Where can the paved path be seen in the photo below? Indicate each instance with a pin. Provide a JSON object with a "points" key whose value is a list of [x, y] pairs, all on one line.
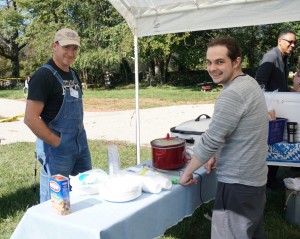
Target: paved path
{"points": [[120, 125]]}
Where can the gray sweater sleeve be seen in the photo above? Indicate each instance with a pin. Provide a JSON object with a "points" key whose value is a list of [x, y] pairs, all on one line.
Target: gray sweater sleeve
{"points": [[238, 134], [229, 108]]}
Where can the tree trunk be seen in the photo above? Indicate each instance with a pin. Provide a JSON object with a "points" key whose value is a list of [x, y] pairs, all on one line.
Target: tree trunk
{"points": [[158, 70], [125, 70], [14, 59], [15, 66], [166, 66], [151, 73]]}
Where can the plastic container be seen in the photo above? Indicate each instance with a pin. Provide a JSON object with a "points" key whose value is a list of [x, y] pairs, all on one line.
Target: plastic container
{"points": [[292, 213], [113, 161], [276, 130], [87, 183], [285, 105]]}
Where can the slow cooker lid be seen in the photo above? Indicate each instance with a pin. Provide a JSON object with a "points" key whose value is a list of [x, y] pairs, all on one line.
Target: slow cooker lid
{"points": [[167, 142], [197, 126]]}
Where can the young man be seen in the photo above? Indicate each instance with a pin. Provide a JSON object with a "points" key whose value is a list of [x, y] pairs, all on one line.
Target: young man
{"points": [[54, 113], [236, 141]]}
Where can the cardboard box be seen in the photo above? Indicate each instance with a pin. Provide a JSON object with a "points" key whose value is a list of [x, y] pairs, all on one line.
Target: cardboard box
{"points": [[60, 194]]}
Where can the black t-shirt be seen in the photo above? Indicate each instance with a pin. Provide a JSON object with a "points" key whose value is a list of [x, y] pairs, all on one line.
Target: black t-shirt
{"points": [[45, 87]]}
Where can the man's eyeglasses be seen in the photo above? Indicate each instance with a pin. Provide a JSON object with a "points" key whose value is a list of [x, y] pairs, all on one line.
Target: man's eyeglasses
{"points": [[290, 42]]}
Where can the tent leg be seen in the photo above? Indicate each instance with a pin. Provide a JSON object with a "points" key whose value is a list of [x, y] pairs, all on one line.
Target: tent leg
{"points": [[136, 66]]}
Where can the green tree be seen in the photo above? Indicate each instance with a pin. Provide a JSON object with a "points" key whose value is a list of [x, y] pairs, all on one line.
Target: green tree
{"points": [[45, 18], [106, 42], [157, 52], [12, 26], [27, 28]]}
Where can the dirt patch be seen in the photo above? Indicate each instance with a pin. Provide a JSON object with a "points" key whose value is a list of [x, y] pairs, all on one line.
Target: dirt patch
{"points": [[109, 105]]}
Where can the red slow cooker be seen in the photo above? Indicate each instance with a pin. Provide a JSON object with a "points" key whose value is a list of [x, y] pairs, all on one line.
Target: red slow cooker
{"points": [[168, 153]]}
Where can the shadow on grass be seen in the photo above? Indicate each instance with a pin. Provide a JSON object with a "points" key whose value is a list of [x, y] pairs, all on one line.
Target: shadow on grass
{"points": [[275, 224], [194, 227], [17, 201]]}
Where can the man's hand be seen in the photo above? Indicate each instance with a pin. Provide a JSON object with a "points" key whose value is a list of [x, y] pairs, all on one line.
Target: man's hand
{"points": [[210, 164], [187, 179], [37, 125], [187, 176]]}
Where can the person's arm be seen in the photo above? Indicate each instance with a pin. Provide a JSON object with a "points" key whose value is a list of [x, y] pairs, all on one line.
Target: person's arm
{"points": [[296, 82], [264, 72], [210, 164], [37, 125], [187, 177]]}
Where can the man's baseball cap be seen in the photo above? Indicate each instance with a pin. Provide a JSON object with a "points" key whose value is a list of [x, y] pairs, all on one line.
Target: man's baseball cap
{"points": [[67, 36]]}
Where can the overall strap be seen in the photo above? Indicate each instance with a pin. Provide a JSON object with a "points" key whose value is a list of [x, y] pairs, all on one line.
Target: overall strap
{"points": [[74, 77], [54, 72], [60, 79]]}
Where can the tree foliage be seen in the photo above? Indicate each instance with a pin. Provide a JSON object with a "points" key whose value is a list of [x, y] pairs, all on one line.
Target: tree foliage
{"points": [[105, 38], [27, 28], [12, 24]]}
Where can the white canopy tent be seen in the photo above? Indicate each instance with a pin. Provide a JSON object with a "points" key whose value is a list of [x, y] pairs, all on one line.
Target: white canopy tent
{"points": [[153, 17]]}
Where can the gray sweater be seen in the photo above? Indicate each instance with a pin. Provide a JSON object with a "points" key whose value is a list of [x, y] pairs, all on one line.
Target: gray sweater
{"points": [[238, 134]]}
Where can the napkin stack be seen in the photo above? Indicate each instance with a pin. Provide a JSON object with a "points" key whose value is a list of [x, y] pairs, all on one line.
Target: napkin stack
{"points": [[152, 182]]}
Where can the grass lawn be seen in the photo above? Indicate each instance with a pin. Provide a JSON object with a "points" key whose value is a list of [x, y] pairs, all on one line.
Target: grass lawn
{"points": [[124, 98], [18, 182], [17, 164]]}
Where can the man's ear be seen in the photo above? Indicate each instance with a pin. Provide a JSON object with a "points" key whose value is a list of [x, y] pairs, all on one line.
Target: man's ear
{"points": [[53, 46], [237, 62]]}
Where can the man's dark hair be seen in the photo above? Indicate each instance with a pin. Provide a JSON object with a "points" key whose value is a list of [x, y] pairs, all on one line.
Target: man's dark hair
{"points": [[230, 43], [286, 31]]}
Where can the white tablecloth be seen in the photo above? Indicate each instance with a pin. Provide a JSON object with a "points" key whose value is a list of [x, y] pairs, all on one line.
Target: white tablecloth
{"points": [[148, 216]]}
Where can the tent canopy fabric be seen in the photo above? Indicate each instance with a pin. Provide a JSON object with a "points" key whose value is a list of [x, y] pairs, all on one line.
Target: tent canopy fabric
{"points": [[154, 17]]}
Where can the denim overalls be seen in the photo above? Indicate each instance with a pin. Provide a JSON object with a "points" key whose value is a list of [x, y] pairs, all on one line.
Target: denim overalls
{"points": [[72, 155]]}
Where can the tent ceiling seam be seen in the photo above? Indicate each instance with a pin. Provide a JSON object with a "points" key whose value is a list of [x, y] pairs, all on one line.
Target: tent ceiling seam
{"points": [[140, 12]]}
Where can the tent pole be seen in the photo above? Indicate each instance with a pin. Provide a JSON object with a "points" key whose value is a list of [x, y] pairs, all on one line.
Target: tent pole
{"points": [[136, 70]]}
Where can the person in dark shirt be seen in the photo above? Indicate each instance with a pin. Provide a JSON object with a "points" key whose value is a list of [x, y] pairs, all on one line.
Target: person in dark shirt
{"points": [[272, 74], [54, 113]]}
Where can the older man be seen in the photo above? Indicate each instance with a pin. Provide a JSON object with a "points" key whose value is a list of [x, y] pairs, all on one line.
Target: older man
{"points": [[272, 73], [54, 113]]}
